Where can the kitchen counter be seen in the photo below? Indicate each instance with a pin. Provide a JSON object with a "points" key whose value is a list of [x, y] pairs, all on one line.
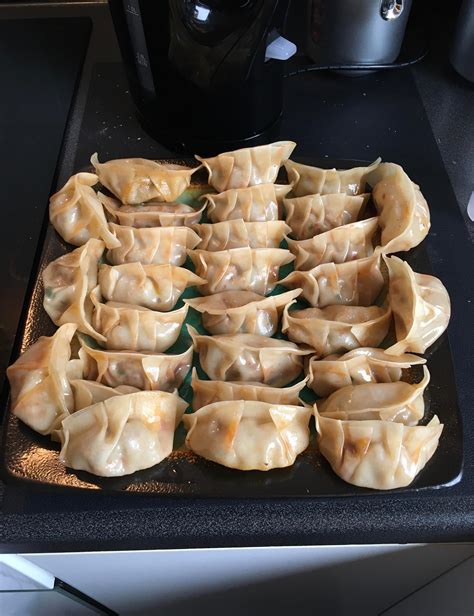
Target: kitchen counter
{"points": [[356, 118]]}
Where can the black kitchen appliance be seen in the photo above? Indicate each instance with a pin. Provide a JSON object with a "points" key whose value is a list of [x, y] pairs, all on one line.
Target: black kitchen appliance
{"points": [[205, 75]]}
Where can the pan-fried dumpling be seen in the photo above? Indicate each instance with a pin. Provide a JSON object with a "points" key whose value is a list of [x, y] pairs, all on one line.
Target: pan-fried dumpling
{"points": [[313, 214], [249, 435], [355, 283], [399, 401], [254, 204], [248, 166], [77, 214], [135, 180], [151, 214], [364, 365], [157, 287], [207, 392], [309, 180], [239, 234], [122, 434], [240, 269], [40, 392], [404, 216], [241, 312], [87, 393], [68, 281], [347, 243], [382, 455], [421, 307], [152, 245], [128, 327], [144, 371], [248, 357], [337, 328]]}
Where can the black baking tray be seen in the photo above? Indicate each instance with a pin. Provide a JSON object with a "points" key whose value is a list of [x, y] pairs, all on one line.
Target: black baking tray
{"points": [[29, 458]]}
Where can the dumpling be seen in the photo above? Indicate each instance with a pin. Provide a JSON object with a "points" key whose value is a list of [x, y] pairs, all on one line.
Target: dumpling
{"points": [[87, 393], [364, 365], [40, 392], [241, 312], [421, 307], [152, 245], [68, 281], [399, 401], [240, 269], [157, 287], [144, 371], [206, 392], [135, 180], [404, 216], [240, 234], [77, 214], [309, 180], [313, 214], [248, 435], [128, 327], [347, 243], [337, 328], [254, 204], [355, 283], [248, 166], [151, 214], [122, 434], [248, 357], [381, 455]]}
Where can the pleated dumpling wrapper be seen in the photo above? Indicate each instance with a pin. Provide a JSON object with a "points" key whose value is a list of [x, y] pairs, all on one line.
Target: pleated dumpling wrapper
{"points": [[145, 371], [381, 455], [241, 312], [399, 401], [87, 393], [347, 243], [421, 307], [248, 357], [129, 327], [239, 234], [40, 392], [248, 435], [248, 166], [206, 392], [364, 365], [314, 214], [77, 214], [404, 216], [136, 180], [337, 328], [240, 269], [355, 283], [157, 287], [152, 245], [308, 180], [122, 434], [260, 203], [151, 214]]}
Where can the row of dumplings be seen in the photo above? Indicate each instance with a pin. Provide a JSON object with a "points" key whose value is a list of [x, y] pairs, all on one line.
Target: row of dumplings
{"points": [[339, 267]]}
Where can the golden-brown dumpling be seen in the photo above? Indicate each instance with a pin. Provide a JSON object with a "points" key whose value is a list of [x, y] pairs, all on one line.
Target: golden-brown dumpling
{"points": [[260, 203], [157, 287], [364, 365], [248, 435], [421, 307], [248, 166], [241, 312], [135, 180], [337, 328], [381, 455], [40, 392], [77, 214], [239, 234], [87, 393]]}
